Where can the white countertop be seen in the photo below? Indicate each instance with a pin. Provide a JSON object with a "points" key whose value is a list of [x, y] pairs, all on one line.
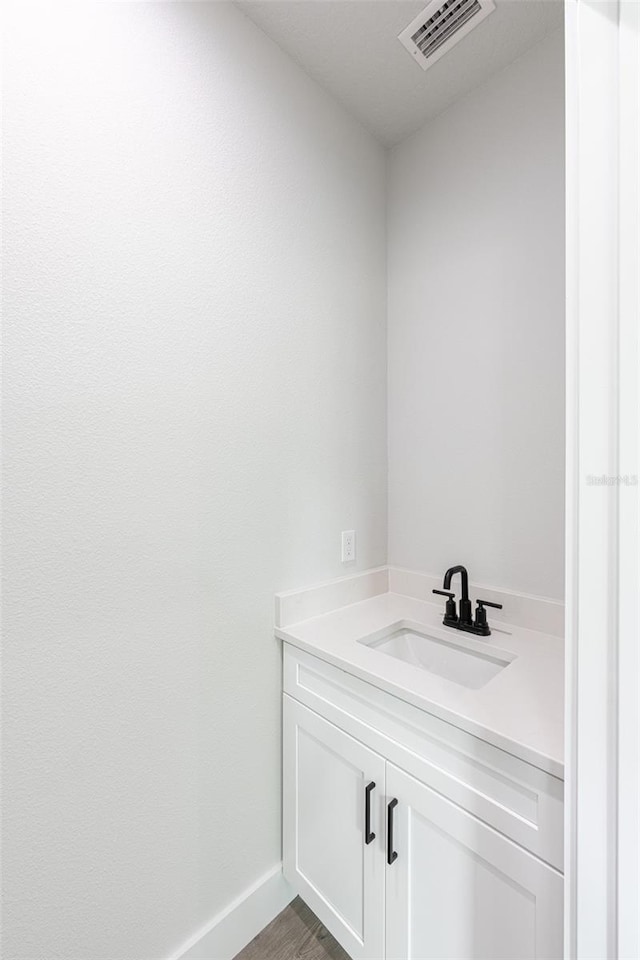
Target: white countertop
{"points": [[520, 710]]}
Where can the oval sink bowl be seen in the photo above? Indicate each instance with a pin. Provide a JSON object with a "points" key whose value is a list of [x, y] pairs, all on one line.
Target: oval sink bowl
{"points": [[463, 662]]}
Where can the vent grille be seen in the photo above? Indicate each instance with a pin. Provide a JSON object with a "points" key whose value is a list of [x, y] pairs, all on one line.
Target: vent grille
{"points": [[440, 26]]}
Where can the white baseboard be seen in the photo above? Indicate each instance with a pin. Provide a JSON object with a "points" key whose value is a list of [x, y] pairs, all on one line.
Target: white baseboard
{"points": [[235, 926]]}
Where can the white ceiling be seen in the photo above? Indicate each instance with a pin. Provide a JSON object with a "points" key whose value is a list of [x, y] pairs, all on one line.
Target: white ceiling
{"points": [[351, 48]]}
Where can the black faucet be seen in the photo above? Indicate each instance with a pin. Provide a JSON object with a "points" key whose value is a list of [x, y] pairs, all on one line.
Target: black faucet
{"points": [[464, 617], [463, 620]]}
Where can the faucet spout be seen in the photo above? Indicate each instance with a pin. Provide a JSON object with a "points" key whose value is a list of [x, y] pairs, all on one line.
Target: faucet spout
{"points": [[465, 603], [464, 578]]}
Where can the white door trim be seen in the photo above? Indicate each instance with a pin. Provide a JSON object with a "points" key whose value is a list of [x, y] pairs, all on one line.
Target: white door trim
{"points": [[603, 543]]}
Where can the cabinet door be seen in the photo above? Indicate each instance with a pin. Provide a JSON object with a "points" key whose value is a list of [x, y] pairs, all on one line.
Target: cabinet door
{"points": [[457, 888], [327, 858]]}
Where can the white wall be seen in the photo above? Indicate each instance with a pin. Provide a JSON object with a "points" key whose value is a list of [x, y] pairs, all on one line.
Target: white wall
{"points": [[195, 408], [476, 333]]}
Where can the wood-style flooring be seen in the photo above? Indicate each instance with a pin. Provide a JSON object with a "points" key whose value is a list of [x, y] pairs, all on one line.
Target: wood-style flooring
{"points": [[295, 934]]}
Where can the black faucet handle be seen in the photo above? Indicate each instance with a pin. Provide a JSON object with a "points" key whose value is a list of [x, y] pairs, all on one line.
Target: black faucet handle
{"points": [[489, 603], [450, 612], [480, 623]]}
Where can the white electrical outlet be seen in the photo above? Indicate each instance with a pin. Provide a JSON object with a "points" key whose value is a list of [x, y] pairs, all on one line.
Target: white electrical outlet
{"points": [[348, 545]]}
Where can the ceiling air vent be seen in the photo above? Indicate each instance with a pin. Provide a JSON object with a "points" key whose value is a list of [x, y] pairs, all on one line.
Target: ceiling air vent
{"points": [[440, 26]]}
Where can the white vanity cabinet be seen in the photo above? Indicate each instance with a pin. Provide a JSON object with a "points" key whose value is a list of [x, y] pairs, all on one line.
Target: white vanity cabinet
{"points": [[331, 782], [457, 888], [455, 852]]}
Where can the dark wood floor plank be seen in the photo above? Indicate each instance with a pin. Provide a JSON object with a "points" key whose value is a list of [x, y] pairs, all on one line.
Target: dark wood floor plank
{"points": [[295, 934]]}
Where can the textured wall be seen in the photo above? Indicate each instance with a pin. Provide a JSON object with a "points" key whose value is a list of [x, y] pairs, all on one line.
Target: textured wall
{"points": [[194, 410], [476, 333]]}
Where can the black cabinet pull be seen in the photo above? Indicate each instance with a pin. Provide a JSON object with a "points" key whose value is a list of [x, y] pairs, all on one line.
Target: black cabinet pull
{"points": [[368, 834], [391, 853]]}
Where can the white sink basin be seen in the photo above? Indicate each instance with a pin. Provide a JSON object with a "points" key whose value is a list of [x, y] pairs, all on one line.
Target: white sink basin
{"points": [[463, 662]]}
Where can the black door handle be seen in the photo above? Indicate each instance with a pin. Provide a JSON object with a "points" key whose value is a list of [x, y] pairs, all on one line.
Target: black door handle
{"points": [[391, 853], [368, 834]]}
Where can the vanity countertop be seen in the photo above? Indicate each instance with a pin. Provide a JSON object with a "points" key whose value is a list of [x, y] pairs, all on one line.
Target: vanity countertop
{"points": [[520, 710]]}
